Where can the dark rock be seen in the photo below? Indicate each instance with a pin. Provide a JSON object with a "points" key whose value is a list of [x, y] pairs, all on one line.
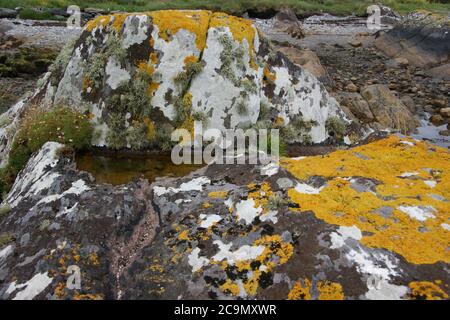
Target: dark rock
{"points": [[8, 13]]}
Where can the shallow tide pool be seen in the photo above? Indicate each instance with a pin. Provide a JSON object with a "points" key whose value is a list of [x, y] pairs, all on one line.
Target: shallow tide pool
{"points": [[119, 169]]}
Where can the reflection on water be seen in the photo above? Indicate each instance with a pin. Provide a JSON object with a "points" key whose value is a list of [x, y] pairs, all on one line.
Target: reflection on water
{"points": [[119, 169]]}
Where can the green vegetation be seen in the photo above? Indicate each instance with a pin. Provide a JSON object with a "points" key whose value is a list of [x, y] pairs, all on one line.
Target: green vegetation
{"points": [[26, 61], [59, 66], [336, 127], [237, 7], [61, 125], [5, 238]]}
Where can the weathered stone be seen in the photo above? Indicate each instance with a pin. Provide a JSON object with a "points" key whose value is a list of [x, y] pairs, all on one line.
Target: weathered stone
{"points": [[308, 59], [445, 112], [355, 43], [440, 72], [8, 13], [351, 87], [357, 105], [387, 109], [437, 120]]}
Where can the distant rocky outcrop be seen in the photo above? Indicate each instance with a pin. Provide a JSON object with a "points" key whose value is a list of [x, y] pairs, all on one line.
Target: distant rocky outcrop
{"points": [[422, 38]]}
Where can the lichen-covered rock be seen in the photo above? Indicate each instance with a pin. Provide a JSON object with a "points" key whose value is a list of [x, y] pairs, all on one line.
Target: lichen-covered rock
{"points": [[365, 223], [156, 71], [60, 222], [350, 225]]}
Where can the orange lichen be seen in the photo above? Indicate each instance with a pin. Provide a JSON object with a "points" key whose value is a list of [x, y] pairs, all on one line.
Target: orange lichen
{"points": [[241, 29], [260, 196], [89, 296], [169, 22], [99, 21], [184, 235], [276, 252], [427, 290], [93, 259], [230, 287], [269, 76], [302, 290], [419, 242], [190, 59], [151, 129], [206, 205], [218, 194], [330, 291]]}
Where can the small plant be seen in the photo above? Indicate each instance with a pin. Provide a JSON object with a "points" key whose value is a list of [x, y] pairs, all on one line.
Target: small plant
{"points": [[336, 127], [4, 210], [117, 134], [199, 116], [95, 70], [242, 108], [5, 238], [37, 127], [230, 57], [137, 135], [59, 66], [114, 48], [276, 201]]}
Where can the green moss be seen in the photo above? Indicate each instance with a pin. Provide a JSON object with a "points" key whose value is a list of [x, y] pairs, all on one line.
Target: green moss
{"points": [[199, 116], [117, 134], [61, 125], [249, 87], [5, 209], [95, 69], [336, 127], [5, 238], [114, 48], [242, 108], [59, 66], [137, 135], [231, 57]]}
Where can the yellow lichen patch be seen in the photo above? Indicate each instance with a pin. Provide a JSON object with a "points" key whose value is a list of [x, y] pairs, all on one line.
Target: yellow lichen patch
{"points": [[327, 290], [153, 58], [99, 21], [330, 291], [90, 296], [276, 252], [260, 196], [184, 235], [206, 205], [269, 76], [240, 28], [218, 194], [418, 240], [230, 287], [146, 67], [169, 22], [151, 129], [118, 21], [427, 290], [190, 59], [300, 291], [93, 259]]}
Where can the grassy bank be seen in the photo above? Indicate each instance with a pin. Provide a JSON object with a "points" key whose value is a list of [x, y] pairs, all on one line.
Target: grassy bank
{"points": [[339, 7]]}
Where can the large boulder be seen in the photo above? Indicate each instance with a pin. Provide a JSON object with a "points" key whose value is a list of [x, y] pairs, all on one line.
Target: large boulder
{"points": [[365, 223], [162, 70], [387, 109]]}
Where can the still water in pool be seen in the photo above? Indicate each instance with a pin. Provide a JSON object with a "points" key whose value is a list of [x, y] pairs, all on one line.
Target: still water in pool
{"points": [[119, 169]]}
